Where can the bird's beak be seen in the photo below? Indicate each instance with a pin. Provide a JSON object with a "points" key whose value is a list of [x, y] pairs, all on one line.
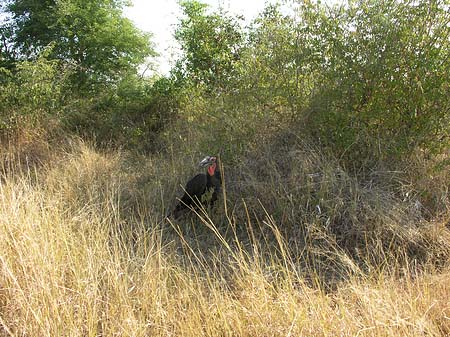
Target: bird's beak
{"points": [[205, 162]]}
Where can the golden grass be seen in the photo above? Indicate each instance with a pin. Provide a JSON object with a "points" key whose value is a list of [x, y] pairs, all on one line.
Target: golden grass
{"points": [[77, 260]]}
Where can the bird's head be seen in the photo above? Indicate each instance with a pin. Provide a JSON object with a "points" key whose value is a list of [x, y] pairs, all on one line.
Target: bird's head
{"points": [[210, 162]]}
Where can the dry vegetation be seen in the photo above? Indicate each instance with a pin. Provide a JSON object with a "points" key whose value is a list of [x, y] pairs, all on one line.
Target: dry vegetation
{"points": [[331, 125], [85, 250]]}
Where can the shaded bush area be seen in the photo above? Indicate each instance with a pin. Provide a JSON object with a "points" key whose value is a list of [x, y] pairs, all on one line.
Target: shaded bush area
{"points": [[32, 93], [384, 90], [77, 66], [362, 77], [319, 206], [39, 97]]}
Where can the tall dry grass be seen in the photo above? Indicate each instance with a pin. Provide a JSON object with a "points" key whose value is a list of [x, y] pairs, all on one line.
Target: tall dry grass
{"points": [[85, 251]]}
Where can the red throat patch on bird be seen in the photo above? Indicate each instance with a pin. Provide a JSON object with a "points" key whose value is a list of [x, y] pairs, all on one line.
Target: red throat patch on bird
{"points": [[212, 169]]}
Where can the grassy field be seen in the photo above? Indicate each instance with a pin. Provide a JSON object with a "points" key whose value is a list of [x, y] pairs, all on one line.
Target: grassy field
{"points": [[331, 126], [85, 251]]}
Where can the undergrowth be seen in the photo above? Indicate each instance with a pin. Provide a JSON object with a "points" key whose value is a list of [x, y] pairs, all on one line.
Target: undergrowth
{"points": [[296, 247]]}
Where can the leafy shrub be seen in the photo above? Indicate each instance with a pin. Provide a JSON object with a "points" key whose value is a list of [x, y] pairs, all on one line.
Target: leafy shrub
{"points": [[385, 75], [368, 79], [161, 107], [33, 92], [211, 45]]}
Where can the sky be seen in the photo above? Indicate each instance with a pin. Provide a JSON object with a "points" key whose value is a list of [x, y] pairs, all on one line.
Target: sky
{"points": [[159, 17]]}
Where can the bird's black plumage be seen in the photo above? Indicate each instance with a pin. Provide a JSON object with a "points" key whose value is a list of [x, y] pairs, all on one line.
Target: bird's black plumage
{"points": [[199, 185]]}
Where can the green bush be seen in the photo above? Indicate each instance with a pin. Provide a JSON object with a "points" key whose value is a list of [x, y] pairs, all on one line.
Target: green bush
{"points": [[385, 78], [367, 79], [35, 91]]}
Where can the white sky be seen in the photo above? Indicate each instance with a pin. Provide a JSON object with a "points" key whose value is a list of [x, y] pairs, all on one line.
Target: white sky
{"points": [[160, 17]]}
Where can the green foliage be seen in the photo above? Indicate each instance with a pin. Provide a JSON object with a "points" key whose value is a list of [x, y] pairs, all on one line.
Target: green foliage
{"points": [[368, 79], [75, 62], [210, 44], [385, 68], [7, 55], [143, 110], [94, 35], [275, 68], [130, 113], [36, 90]]}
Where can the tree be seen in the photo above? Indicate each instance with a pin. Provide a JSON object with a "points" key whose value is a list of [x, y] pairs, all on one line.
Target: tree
{"points": [[92, 35], [210, 44]]}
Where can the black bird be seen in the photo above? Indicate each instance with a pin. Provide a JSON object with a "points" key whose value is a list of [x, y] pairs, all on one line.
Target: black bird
{"points": [[200, 186]]}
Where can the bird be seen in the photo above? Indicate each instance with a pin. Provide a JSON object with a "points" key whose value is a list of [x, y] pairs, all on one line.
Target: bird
{"points": [[200, 186]]}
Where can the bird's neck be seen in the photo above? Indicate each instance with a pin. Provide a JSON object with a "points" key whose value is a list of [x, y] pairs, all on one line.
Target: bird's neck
{"points": [[212, 169]]}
